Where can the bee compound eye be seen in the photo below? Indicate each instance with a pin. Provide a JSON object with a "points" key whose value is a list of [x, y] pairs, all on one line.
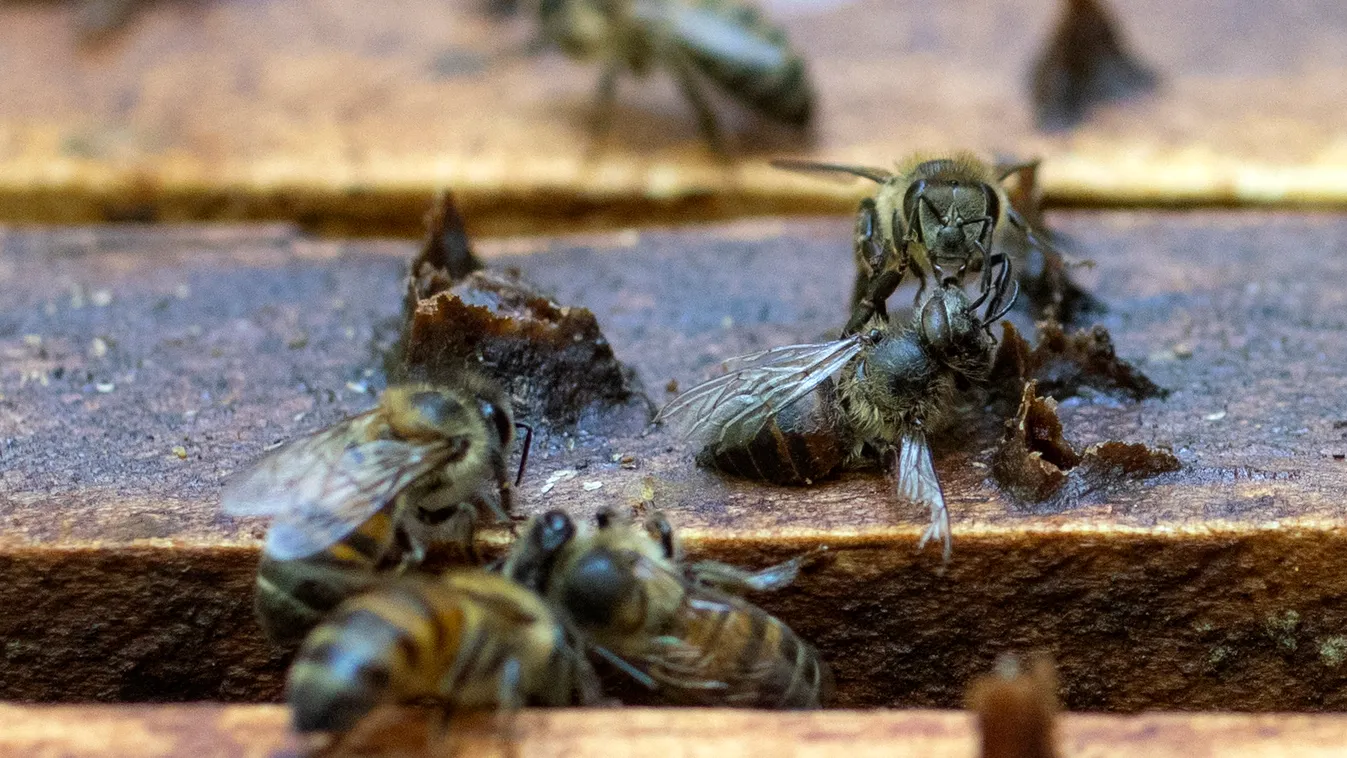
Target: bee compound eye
{"points": [[498, 418], [555, 529], [935, 321]]}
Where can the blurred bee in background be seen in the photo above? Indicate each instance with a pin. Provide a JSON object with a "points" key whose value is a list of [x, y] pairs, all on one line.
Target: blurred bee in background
{"points": [[682, 631], [727, 42], [939, 217], [364, 498], [465, 639], [797, 414], [1085, 63]]}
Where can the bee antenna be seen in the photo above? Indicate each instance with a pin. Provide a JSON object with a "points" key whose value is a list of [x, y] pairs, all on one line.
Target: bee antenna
{"points": [[524, 454]]}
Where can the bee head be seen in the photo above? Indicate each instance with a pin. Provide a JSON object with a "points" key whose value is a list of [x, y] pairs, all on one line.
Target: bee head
{"points": [[950, 217], [599, 587], [949, 329]]}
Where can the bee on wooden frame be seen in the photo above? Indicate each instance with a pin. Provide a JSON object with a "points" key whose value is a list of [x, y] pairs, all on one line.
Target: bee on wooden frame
{"points": [[683, 631], [726, 42], [939, 217], [465, 639], [797, 414], [364, 498]]}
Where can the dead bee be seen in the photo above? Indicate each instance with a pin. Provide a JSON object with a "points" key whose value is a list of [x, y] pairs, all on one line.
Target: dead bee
{"points": [[363, 498], [938, 217], [784, 418], [465, 639], [681, 630], [728, 42]]}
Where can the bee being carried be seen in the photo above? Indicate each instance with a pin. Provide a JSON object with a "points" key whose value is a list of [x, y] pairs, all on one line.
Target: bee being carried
{"points": [[465, 639], [681, 630], [728, 42], [941, 217], [364, 498], [801, 413]]}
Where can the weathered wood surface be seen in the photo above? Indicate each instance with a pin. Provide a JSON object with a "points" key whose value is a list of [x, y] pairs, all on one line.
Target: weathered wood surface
{"points": [[253, 731], [1218, 586], [315, 111]]}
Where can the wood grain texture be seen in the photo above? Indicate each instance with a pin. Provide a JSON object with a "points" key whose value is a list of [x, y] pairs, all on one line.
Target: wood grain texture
{"points": [[212, 731], [314, 111], [1217, 586]]}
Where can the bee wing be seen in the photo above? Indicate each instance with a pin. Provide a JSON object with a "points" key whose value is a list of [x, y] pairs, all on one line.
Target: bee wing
{"points": [[320, 489], [714, 35], [877, 175], [918, 483], [748, 397]]}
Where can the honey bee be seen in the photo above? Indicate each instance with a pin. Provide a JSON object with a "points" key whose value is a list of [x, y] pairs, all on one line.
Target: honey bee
{"points": [[797, 414], [465, 639], [681, 630], [936, 216], [728, 42], [363, 499]]}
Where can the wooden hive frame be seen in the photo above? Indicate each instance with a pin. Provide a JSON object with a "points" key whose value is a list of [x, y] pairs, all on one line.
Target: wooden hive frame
{"points": [[140, 366]]}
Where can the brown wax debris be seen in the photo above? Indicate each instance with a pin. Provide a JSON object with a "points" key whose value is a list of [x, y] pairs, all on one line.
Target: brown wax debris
{"points": [[1080, 365], [554, 360], [1034, 458], [1017, 709], [1113, 460], [1084, 362], [1036, 464], [1084, 64]]}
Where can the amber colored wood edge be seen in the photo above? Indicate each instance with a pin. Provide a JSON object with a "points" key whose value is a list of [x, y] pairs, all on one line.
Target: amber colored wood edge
{"points": [[260, 730]]}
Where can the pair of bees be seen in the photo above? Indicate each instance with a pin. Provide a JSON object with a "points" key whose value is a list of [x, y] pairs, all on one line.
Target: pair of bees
{"points": [[794, 415], [522, 633], [355, 508]]}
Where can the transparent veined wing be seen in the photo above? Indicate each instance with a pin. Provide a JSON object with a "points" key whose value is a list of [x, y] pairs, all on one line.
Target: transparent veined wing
{"points": [[322, 487], [747, 397], [918, 483], [709, 31], [877, 175]]}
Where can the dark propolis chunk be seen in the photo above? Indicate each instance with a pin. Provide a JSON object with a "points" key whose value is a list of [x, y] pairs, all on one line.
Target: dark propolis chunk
{"points": [[554, 360], [1085, 63]]}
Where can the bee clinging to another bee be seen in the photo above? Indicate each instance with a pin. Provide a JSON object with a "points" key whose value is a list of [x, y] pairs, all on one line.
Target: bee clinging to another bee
{"points": [[797, 414], [941, 218], [465, 639], [683, 631], [726, 42], [366, 496]]}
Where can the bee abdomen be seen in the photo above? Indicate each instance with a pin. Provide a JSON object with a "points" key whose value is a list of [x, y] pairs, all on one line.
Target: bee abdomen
{"points": [[803, 443], [382, 647], [782, 91], [809, 682], [293, 596]]}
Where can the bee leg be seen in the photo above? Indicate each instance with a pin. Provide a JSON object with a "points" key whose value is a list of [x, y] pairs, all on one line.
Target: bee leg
{"points": [[728, 578], [685, 75]]}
